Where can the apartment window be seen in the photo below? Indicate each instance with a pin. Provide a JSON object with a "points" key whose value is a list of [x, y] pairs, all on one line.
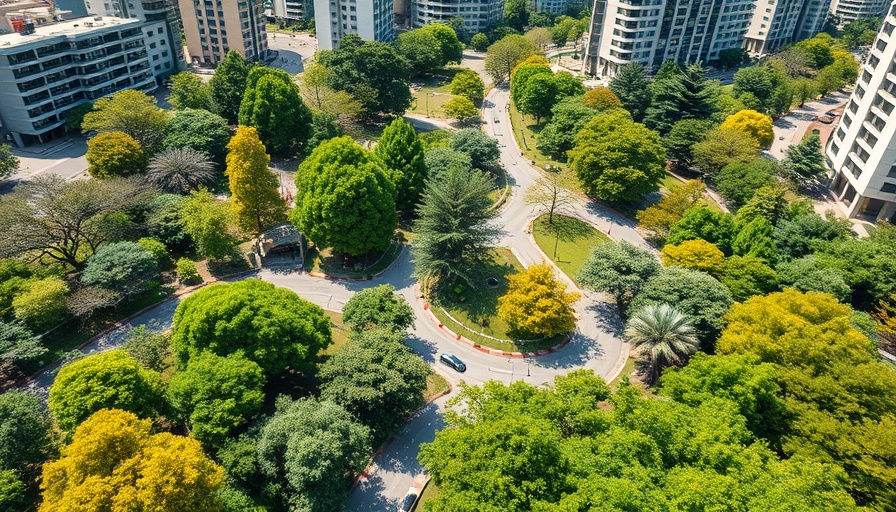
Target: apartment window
{"points": [[866, 76], [835, 149], [888, 188], [892, 173], [841, 133], [873, 61], [853, 106], [152, 46]]}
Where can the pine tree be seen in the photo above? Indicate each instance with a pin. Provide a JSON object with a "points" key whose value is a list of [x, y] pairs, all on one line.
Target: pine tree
{"points": [[272, 104], [678, 94], [401, 153], [631, 86], [256, 201], [228, 84], [805, 159]]}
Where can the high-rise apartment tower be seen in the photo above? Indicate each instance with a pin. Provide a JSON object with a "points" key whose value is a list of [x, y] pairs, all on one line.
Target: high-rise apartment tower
{"points": [[214, 27], [372, 20]]}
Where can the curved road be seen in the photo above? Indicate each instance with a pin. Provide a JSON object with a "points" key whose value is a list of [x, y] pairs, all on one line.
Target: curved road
{"points": [[595, 345]]}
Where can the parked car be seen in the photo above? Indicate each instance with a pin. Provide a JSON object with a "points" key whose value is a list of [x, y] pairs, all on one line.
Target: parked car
{"points": [[409, 501], [452, 361], [827, 118]]}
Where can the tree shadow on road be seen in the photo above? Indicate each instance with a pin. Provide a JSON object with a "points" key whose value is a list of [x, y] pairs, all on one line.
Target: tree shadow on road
{"points": [[424, 348]]}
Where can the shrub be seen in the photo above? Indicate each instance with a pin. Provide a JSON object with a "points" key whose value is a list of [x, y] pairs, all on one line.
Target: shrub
{"points": [[187, 273], [158, 250]]}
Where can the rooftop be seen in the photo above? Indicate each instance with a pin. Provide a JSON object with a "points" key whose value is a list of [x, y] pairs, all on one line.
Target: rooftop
{"points": [[69, 28]]}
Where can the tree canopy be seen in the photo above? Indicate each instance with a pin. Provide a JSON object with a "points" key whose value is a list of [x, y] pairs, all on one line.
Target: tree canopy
{"points": [[618, 269], [114, 155], [124, 267], [188, 90], [130, 111], [757, 125], [631, 86], [482, 149], [228, 85], [400, 152], [345, 199], [467, 83], [537, 302], [377, 307], [272, 105], [27, 433], [271, 326], [200, 130], [255, 197], [502, 56]]}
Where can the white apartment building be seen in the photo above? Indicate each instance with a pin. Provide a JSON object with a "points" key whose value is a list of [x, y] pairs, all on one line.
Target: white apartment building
{"points": [[161, 30], [214, 27], [477, 14], [862, 151], [551, 6], [48, 70], [851, 10], [654, 31], [291, 10], [371, 20], [776, 23]]}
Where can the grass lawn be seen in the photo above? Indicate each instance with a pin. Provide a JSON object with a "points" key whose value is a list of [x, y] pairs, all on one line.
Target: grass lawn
{"points": [[500, 185], [435, 384], [476, 310], [626, 371], [430, 492], [526, 133], [340, 333], [429, 100], [363, 267], [570, 250]]}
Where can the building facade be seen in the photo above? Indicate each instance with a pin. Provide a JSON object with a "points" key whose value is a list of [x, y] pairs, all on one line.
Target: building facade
{"points": [[851, 10], [291, 10], [477, 14], [862, 150], [371, 20], [777, 23], [653, 31], [214, 27], [49, 70], [161, 30], [551, 6]]}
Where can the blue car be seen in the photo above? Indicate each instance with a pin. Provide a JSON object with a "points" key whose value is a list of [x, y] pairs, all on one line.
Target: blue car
{"points": [[452, 361]]}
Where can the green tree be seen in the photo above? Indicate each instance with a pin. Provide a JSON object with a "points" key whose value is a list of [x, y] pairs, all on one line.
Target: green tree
{"points": [[453, 227], [756, 80], [294, 329], [157, 249], [440, 160], [737, 182], [9, 163], [228, 85], [400, 152], [375, 378], [467, 83], [345, 199], [482, 149], [551, 193], [149, 348], [805, 234], [516, 14], [661, 216], [479, 42], [180, 170], [208, 223], [188, 90], [618, 269], [27, 433], [114, 155], [132, 112], [746, 276], [631, 86], [601, 98], [568, 117], [110, 380], [255, 199], [451, 50], [18, 347], [664, 335], [323, 128], [538, 96], [421, 49], [521, 76], [756, 239], [504, 55], [216, 394], [164, 222], [540, 38], [273, 106], [75, 116], [696, 294], [818, 50], [125, 267], [462, 109], [806, 274], [805, 159], [41, 304], [767, 202], [537, 303], [199, 130], [723, 146], [309, 449], [377, 307], [314, 85], [115, 463], [49, 217], [617, 159], [680, 94], [371, 71]]}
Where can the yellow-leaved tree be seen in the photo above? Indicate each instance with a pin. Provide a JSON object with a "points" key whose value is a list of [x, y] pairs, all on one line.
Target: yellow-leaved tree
{"points": [[255, 198], [757, 124], [537, 302], [116, 464], [695, 254]]}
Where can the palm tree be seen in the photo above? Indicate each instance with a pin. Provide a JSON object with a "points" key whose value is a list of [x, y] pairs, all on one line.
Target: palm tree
{"points": [[180, 170], [664, 335]]}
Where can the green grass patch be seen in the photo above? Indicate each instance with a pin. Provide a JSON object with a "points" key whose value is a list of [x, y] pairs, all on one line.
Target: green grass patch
{"points": [[500, 185], [474, 311], [344, 266], [430, 492], [568, 242], [433, 92], [340, 333], [435, 384], [526, 133], [626, 371]]}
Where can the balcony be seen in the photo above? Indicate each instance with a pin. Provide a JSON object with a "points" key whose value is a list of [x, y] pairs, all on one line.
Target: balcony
{"points": [[23, 72], [31, 85], [34, 98]]}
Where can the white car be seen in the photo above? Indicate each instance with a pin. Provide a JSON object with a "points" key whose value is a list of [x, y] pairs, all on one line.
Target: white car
{"points": [[409, 501]]}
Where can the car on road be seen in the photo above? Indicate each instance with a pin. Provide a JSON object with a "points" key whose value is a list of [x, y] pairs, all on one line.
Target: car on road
{"points": [[453, 361], [409, 501], [827, 118]]}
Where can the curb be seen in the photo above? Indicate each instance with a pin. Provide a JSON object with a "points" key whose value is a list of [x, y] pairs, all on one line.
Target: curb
{"points": [[492, 351], [321, 275], [365, 473]]}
